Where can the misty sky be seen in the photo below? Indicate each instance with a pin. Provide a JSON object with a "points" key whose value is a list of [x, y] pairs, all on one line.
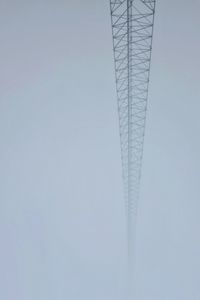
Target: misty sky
{"points": [[62, 217]]}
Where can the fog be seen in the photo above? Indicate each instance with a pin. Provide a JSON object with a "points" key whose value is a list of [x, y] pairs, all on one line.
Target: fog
{"points": [[62, 213]]}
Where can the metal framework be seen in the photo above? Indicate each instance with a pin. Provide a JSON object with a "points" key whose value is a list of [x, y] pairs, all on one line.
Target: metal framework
{"points": [[132, 29]]}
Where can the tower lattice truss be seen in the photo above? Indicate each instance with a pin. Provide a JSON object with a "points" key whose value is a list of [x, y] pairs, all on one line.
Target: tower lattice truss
{"points": [[132, 29]]}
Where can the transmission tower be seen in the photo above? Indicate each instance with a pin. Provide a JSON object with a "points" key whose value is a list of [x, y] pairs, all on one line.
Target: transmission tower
{"points": [[132, 30]]}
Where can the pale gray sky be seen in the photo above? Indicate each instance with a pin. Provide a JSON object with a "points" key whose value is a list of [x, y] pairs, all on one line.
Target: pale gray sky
{"points": [[62, 220]]}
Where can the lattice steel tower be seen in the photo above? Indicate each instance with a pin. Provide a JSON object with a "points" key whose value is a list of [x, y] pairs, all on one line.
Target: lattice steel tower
{"points": [[132, 29]]}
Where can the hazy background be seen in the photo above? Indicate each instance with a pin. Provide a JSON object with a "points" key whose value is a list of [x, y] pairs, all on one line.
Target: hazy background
{"points": [[62, 220]]}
